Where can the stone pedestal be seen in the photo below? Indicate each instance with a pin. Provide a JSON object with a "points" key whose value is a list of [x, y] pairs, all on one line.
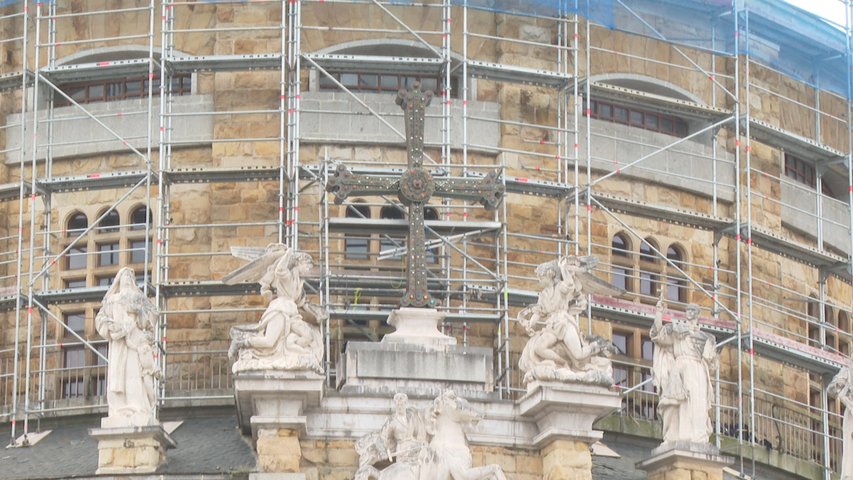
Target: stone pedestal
{"points": [[564, 414], [130, 450], [271, 406], [685, 460], [417, 326]]}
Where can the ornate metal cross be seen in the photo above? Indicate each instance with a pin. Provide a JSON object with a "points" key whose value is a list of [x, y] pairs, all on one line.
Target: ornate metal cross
{"points": [[414, 188]]}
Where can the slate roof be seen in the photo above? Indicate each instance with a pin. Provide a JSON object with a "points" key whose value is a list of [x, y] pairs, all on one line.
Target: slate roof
{"points": [[631, 449], [206, 445]]}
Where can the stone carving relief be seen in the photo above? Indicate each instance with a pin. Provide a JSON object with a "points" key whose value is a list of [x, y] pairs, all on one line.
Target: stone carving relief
{"points": [[424, 445], [127, 320], [841, 387], [557, 350], [287, 337], [683, 360]]}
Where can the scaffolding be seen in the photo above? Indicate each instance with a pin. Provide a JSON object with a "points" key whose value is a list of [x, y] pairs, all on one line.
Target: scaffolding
{"points": [[275, 147]]}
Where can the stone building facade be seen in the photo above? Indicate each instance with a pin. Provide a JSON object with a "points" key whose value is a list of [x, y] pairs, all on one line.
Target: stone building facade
{"points": [[693, 166]]}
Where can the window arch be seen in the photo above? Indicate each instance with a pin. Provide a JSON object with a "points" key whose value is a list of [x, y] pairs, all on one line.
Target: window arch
{"points": [[110, 223], [139, 217], [76, 257], [676, 285], [357, 247], [649, 268], [621, 257]]}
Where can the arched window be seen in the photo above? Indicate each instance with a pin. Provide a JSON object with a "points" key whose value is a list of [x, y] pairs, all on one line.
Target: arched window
{"points": [[110, 223], [139, 217], [621, 254], [676, 285], [357, 247], [76, 257], [389, 243], [649, 269], [77, 223]]}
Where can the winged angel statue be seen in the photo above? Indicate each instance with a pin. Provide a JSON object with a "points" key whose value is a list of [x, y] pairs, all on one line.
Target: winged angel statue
{"points": [[287, 337], [557, 351]]}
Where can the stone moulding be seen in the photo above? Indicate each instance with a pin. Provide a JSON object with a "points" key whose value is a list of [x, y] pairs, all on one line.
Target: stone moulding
{"points": [[129, 450]]}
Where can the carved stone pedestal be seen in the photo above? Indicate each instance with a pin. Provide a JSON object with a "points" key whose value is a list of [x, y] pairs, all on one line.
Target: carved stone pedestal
{"points": [[685, 460], [129, 450], [271, 406], [564, 414], [417, 326]]}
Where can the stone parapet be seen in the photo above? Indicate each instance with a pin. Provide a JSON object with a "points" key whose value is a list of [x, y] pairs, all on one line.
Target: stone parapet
{"points": [[131, 450], [687, 460]]}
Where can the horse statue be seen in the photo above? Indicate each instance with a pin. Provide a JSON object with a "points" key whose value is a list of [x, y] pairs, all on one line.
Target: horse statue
{"points": [[445, 456]]}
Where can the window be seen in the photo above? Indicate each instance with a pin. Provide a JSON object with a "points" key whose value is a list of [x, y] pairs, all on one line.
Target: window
{"points": [[108, 254], [76, 257], [137, 250], [139, 218], [72, 380], [372, 82], [813, 322], [75, 282], [389, 243], [622, 341], [432, 253], [804, 172], [357, 247], [120, 89], [649, 269], [655, 122], [110, 223], [77, 223], [104, 281], [676, 286], [844, 333], [620, 275]]}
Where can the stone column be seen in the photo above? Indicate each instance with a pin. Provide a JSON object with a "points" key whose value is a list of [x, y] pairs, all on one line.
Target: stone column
{"points": [[271, 406], [677, 460], [564, 414]]}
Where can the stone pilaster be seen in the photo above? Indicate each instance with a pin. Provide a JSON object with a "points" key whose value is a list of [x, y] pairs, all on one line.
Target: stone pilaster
{"points": [[130, 450], [564, 414], [685, 460], [271, 406]]}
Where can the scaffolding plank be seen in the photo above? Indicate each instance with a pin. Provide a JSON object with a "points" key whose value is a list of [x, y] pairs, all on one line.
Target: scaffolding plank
{"points": [[657, 103], [91, 181], [72, 295], [13, 80], [798, 145], [414, 66], [510, 73], [786, 247], [790, 351], [224, 63], [12, 191], [382, 315], [367, 226], [539, 188], [81, 72], [679, 216], [211, 175]]}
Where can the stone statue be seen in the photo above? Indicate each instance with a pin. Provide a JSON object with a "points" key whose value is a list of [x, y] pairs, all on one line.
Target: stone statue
{"points": [[127, 319], [283, 339], [556, 350], [683, 360], [841, 387], [424, 445]]}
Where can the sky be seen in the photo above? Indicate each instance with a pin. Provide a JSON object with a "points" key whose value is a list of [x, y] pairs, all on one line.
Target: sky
{"points": [[832, 10]]}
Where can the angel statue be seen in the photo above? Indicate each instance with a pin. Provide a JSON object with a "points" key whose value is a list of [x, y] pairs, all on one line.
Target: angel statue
{"points": [[127, 319], [288, 336], [841, 387], [683, 360], [557, 351]]}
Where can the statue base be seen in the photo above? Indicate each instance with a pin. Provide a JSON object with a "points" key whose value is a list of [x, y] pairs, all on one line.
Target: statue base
{"points": [[564, 414], [272, 400], [418, 370], [685, 459], [131, 450], [417, 326]]}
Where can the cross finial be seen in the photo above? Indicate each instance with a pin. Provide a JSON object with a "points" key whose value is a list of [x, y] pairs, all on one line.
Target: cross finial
{"points": [[414, 103]]}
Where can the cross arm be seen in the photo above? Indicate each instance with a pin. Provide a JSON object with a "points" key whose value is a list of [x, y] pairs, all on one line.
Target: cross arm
{"points": [[488, 191], [344, 183]]}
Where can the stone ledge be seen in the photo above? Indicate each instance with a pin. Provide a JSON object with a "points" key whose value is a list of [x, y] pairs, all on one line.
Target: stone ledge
{"points": [[685, 456]]}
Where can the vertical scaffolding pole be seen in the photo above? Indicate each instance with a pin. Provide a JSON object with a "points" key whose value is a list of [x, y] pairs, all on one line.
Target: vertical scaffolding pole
{"points": [[737, 207]]}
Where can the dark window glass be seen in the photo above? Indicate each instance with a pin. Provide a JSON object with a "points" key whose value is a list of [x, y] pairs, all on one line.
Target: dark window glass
{"points": [[117, 89], [605, 111], [139, 217], [648, 284], [96, 92], [652, 121], [386, 242], [648, 348], [389, 82], [620, 340], [77, 224], [619, 277], [76, 257], [636, 118], [384, 83], [620, 376], [108, 254], [137, 251], [349, 79], [620, 246], [620, 115], [110, 223], [76, 322], [105, 281], [75, 283], [646, 252], [357, 247]]}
